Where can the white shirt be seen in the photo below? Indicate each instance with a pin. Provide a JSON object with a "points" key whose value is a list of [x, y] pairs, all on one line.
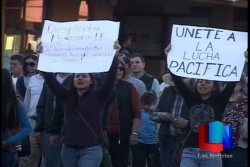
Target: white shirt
{"points": [[32, 94], [14, 82]]}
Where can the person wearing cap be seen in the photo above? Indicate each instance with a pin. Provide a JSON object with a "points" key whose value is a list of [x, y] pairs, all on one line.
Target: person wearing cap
{"points": [[172, 113], [138, 84]]}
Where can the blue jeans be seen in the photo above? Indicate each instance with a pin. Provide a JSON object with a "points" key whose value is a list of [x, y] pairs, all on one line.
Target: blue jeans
{"points": [[167, 149], [195, 157], [88, 157], [52, 154], [8, 159]]}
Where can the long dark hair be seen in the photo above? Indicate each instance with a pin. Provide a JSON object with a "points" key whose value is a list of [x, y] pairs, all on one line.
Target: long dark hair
{"points": [[32, 55], [217, 88], [9, 102], [72, 88]]}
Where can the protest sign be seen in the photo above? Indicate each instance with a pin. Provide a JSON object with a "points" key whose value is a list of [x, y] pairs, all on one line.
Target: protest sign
{"points": [[78, 46], [207, 53]]}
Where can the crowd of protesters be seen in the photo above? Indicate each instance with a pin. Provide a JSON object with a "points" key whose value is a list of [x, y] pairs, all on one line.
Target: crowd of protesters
{"points": [[140, 121]]}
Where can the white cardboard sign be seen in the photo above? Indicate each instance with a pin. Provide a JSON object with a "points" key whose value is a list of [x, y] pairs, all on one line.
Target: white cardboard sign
{"points": [[207, 53], [78, 46]]}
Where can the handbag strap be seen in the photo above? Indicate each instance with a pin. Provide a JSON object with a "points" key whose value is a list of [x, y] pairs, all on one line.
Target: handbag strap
{"points": [[192, 127], [88, 125], [188, 134]]}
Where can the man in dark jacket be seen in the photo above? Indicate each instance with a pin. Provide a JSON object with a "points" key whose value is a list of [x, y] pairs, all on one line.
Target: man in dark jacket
{"points": [[174, 116]]}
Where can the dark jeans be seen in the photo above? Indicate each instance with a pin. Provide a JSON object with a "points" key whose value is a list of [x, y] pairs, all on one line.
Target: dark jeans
{"points": [[119, 152], [236, 157], [8, 159], [52, 154], [145, 152], [166, 151]]}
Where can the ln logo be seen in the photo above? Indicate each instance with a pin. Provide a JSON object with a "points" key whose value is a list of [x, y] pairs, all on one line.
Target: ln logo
{"points": [[214, 137]]}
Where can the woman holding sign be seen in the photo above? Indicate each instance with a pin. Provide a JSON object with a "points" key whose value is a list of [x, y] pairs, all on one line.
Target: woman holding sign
{"points": [[81, 148], [206, 105]]}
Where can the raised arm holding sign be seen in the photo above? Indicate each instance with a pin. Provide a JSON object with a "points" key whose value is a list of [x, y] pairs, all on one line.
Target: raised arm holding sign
{"points": [[85, 97], [81, 48], [78, 46], [209, 53]]}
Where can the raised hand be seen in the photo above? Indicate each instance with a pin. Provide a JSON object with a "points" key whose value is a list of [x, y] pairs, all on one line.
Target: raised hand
{"points": [[246, 55], [39, 48], [117, 46], [167, 49]]}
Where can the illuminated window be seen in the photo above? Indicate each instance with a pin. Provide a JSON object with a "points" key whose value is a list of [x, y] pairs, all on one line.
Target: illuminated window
{"points": [[83, 11], [9, 42], [33, 11]]}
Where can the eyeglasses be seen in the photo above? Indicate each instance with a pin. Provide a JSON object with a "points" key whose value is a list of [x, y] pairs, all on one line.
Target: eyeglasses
{"points": [[31, 64], [121, 69]]}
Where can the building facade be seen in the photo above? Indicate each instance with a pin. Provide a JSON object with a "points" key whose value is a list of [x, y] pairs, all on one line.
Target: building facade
{"points": [[149, 21]]}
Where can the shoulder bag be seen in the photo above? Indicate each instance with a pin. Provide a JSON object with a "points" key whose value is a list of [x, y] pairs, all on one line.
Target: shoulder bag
{"points": [[106, 159], [176, 158]]}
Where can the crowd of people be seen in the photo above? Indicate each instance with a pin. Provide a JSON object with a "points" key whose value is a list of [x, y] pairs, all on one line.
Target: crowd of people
{"points": [[138, 119]]}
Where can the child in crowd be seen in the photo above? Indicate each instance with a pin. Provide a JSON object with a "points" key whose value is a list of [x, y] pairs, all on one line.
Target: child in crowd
{"points": [[147, 146]]}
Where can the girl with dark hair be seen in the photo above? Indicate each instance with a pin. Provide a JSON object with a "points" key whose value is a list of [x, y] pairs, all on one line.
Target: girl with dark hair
{"points": [[236, 114], [80, 147], [205, 105], [15, 122], [29, 69]]}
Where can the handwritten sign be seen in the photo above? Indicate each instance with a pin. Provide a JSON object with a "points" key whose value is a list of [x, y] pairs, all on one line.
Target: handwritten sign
{"points": [[78, 46], [207, 53]]}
